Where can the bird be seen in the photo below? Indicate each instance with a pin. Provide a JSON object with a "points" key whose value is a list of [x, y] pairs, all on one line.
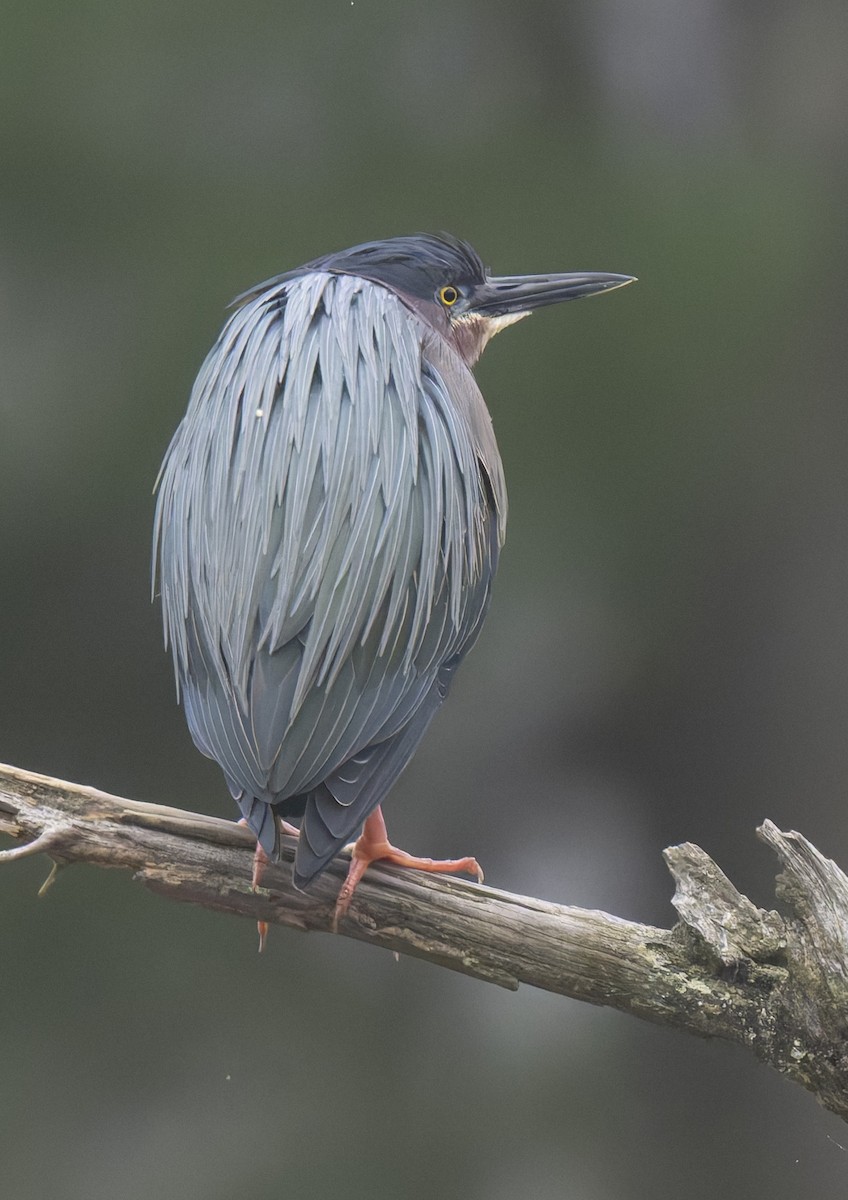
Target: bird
{"points": [[329, 518]]}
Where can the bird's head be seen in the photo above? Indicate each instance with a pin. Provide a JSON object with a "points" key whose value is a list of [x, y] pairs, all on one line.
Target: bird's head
{"points": [[445, 281]]}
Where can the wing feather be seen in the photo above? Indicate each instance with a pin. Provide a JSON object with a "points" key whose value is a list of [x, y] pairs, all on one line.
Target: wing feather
{"points": [[326, 535]]}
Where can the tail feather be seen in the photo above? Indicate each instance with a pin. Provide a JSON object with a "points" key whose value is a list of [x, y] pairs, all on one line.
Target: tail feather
{"points": [[337, 808], [263, 822]]}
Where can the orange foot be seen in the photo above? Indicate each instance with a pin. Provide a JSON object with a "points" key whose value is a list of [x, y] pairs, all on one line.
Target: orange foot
{"points": [[260, 862], [373, 844]]}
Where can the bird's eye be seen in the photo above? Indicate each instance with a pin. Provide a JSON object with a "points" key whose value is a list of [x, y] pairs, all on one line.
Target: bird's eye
{"points": [[448, 295]]}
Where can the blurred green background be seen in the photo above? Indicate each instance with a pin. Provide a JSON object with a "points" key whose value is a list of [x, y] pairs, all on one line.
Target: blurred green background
{"points": [[666, 656]]}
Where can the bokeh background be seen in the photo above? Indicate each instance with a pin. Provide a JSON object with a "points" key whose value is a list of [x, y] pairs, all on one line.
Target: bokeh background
{"points": [[666, 656]]}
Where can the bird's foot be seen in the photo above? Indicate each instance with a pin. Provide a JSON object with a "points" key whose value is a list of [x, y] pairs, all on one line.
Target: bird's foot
{"points": [[260, 863], [373, 845]]}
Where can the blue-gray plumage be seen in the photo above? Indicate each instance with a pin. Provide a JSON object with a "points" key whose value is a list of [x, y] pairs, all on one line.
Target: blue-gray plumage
{"points": [[328, 523]]}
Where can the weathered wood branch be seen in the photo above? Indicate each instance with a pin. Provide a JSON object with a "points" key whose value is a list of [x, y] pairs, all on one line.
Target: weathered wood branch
{"points": [[776, 984]]}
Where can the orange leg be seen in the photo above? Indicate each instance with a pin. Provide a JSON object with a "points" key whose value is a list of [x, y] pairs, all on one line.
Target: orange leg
{"points": [[260, 862], [373, 844]]}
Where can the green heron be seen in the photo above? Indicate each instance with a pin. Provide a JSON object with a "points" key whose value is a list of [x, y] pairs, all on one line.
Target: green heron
{"points": [[328, 523]]}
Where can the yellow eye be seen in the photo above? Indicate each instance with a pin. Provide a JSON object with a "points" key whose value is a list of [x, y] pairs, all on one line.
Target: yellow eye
{"points": [[448, 295]]}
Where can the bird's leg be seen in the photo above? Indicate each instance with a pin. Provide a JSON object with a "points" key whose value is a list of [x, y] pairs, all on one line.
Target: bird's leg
{"points": [[260, 862], [373, 844]]}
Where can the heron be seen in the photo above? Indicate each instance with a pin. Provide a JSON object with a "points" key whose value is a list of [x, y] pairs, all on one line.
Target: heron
{"points": [[329, 517]]}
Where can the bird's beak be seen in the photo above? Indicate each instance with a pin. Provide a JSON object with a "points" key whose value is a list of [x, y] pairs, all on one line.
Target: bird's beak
{"points": [[506, 294]]}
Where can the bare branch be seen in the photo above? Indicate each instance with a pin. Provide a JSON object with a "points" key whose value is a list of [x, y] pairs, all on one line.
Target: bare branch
{"points": [[778, 985]]}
